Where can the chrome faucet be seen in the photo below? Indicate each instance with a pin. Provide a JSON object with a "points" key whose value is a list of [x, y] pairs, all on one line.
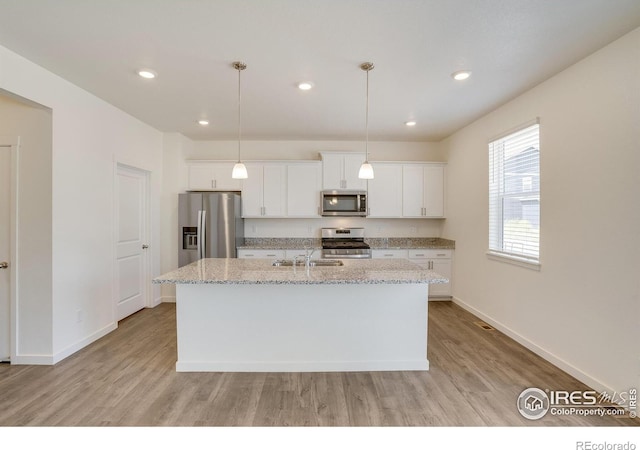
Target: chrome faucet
{"points": [[307, 257]]}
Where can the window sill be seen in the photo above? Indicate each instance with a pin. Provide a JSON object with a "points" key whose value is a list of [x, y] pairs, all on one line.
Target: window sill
{"points": [[515, 260]]}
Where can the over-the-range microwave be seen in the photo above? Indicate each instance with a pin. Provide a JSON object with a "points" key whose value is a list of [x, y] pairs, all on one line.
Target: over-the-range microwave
{"points": [[344, 203]]}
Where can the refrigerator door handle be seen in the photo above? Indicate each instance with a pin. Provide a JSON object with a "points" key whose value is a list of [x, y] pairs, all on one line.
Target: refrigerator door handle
{"points": [[203, 234], [199, 234]]}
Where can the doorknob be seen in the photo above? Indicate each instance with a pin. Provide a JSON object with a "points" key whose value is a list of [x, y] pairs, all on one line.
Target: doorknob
{"points": [[4, 265], [145, 246]]}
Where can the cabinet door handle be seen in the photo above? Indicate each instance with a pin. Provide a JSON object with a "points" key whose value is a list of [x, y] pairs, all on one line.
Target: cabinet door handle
{"points": [[214, 184]]}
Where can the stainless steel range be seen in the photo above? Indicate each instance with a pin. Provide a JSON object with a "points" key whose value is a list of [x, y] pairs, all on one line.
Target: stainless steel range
{"points": [[344, 243]]}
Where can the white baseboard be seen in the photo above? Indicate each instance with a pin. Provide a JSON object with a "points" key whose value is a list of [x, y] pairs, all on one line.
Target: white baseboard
{"points": [[57, 357], [155, 302], [32, 360], [575, 372], [168, 299], [301, 366], [49, 360]]}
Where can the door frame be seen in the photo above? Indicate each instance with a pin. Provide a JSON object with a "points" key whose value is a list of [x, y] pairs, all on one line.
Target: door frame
{"points": [[13, 143], [148, 254]]}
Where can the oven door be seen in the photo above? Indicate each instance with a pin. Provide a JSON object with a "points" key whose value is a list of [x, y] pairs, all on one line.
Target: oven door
{"points": [[344, 203]]}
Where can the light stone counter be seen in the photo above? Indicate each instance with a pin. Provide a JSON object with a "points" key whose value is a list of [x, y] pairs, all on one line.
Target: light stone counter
{"points": [[261, 271]]}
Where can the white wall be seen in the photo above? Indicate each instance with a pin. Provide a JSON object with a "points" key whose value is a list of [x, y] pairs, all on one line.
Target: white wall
{"points": [[89, 137], [581, 310], [34, 259]]}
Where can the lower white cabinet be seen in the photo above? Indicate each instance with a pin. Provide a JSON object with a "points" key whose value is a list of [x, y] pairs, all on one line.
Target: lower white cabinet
{"points": [[301, 253], [276, 253], [439, 261], [389, 253], [261, 253]]}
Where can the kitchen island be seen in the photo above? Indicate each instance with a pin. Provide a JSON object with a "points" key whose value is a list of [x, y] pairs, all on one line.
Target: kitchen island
{"points": [[239, 315]]}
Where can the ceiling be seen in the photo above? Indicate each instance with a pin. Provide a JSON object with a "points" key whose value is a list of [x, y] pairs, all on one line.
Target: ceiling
{"points": [[509, 45]]}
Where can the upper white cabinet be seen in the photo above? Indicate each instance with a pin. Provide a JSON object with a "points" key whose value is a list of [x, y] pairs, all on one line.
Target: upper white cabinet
{"points": [[340, 171], [264, 192], [423, 190], [385, 191], [304, 182], [211, 176]]}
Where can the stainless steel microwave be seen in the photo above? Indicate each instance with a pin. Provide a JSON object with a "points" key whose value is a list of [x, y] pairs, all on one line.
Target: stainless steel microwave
{"points": [[344, 203]]}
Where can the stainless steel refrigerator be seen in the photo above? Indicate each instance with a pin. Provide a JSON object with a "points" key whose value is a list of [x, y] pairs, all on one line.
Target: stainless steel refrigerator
{"points": [[210, 225]]}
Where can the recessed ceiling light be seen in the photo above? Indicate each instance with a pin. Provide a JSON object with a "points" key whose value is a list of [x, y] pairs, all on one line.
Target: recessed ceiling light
{"points": [[461, 75], [203, 122], [148, 74], [411, 123], [305, 85]]}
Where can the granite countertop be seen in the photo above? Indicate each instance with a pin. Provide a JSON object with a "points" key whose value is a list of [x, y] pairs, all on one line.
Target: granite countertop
{"points": [[375, 243], [261, 271]]}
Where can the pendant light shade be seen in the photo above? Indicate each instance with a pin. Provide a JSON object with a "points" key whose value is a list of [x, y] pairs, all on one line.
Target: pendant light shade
{"points": [[366, 169], [239, 171]]}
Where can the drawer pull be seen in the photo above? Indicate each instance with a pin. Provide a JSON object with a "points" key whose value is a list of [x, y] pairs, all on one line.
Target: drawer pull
{"points": [[442, 254]]}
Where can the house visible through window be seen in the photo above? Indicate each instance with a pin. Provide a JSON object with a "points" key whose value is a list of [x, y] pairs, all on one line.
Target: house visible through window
{"points": [[514, 195]]}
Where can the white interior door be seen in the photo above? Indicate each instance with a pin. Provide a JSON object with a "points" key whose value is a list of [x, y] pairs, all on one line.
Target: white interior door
{"points": [[5, 252], [131, 240]]}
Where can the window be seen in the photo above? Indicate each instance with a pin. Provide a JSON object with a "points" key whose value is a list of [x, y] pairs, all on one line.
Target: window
{"points": [[514, 196]]}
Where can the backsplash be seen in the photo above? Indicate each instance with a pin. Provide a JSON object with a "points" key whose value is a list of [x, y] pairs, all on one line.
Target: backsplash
{"points": [[375, 243]]}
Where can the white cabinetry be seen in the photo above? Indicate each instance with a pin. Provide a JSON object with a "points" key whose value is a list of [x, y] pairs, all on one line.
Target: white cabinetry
{"points": [[431, 259], [439, 261], [304, 182], [301, 253], [264, 193], [340, 171], [385, 191], [423, 190], [389, 253], [260, 253], [276, 253], [211, 176]]}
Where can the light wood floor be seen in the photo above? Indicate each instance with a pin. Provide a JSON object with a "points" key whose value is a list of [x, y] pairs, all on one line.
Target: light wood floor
{"points": [[128, 378]]}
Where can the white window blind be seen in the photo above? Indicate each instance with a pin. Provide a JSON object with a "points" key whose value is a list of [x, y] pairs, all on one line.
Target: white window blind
{"points": [[514, 195]]}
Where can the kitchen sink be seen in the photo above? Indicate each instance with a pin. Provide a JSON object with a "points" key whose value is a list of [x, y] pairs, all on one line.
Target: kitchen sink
{"points": [[315, 262]]}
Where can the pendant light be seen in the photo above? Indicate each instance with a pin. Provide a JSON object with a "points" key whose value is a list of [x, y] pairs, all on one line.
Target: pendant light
{"points": [[239, 170], [366, 170]]}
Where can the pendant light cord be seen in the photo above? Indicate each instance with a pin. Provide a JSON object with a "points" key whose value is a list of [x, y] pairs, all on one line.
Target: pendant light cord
{"points": [[366, 142], [239, 127]]}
